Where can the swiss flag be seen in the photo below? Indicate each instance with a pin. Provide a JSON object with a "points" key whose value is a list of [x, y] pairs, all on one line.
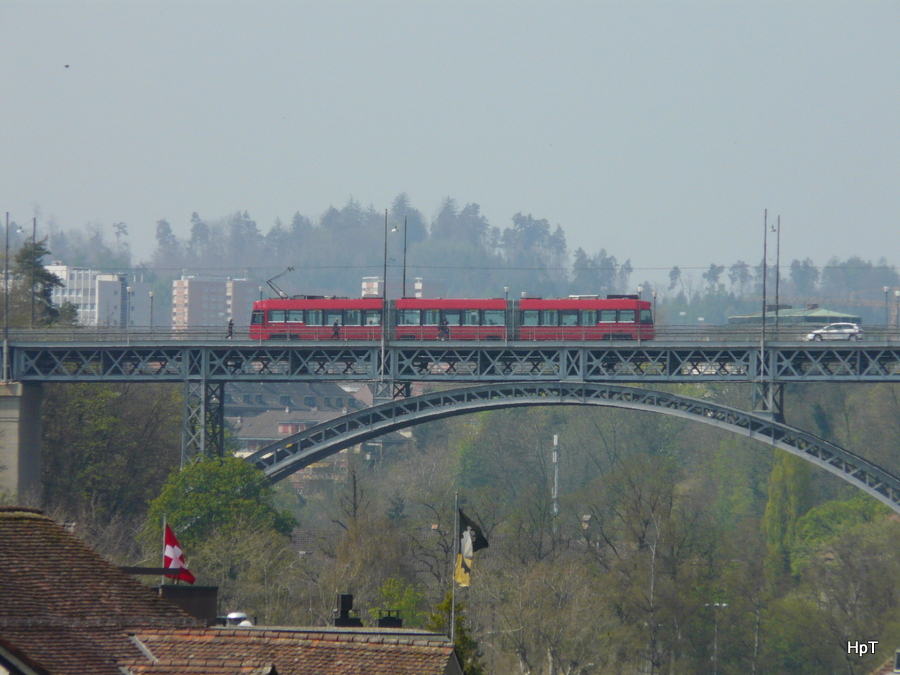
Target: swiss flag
{"points": [[173, 558]]}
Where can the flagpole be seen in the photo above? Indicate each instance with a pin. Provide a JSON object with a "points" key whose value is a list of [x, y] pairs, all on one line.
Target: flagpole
{"points": [[453, 568], [162, 577]]}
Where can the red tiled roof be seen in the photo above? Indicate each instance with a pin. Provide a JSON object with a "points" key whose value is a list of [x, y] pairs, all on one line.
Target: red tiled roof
{"points": [[310, 651], [64, 610], [63, 606]]}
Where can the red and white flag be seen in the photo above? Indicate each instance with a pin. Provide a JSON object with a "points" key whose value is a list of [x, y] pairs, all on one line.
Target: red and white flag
{"points": [[173, 558]]}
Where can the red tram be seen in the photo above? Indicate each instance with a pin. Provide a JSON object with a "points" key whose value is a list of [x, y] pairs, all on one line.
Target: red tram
{"points": [[576, 318]]}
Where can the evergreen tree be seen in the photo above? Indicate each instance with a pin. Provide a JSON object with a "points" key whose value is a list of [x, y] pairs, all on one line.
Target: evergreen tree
{"points": [[30, 274]]}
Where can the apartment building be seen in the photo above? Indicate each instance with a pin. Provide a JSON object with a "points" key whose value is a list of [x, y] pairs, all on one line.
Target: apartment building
{"points": [[199, 301]]}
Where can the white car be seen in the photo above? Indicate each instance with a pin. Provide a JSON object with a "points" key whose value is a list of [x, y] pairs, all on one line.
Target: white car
{"points": [[837, 331]]}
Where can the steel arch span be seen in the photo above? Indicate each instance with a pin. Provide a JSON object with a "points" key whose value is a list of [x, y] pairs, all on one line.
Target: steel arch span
{"points": [[297, 451]]}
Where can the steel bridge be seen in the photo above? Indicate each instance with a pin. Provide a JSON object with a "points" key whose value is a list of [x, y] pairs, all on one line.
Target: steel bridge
{"points": [[299, 450], [205, 363]]}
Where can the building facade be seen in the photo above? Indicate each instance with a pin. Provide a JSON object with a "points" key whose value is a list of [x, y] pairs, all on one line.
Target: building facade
{"points": [[203, 302], [102, 298]]}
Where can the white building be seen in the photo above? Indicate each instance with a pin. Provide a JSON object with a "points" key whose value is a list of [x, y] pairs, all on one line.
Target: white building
{"points": [[101, 298]]}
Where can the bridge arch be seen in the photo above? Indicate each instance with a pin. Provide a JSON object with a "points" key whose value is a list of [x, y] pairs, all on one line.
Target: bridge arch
{"points": [[299, 450]]}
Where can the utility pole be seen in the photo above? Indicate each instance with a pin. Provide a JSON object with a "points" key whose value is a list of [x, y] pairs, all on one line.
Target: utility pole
{"points": [[555, 481]]}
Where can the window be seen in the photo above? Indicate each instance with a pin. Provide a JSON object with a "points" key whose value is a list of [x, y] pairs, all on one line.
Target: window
{"points": [[646, 317], [607, 316], [353, 317], [408, 317], [431, 317], [276, 316], [295, 315], [339, 402], [314, 317], [568, 317], [309, 401], [530, 317], [373, 317], [588, 317], [257, 318], [494, 317], [285, 400], [327, 401], [470, 317], [549, 317], [332, 315], [452, 316], [626, 315]]}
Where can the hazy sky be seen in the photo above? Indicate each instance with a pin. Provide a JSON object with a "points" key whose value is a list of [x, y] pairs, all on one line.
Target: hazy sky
{"points": [[659, 131]]}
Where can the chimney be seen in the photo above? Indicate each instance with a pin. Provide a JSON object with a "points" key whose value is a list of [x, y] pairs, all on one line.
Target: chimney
{"points": [[343, 618], [389, 618], [201, 602]]}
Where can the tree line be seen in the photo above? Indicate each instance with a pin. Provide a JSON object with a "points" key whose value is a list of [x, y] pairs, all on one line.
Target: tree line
{"points": [[458, 252]]}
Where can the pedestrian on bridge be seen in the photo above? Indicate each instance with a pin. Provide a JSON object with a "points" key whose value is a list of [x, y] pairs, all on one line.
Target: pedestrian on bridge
{"points": [[336, 330], [230, 334]]}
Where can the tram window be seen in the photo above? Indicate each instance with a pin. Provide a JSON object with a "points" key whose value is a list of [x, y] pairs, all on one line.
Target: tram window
{"points": [[373, 317], [471, 318], [550, 317], [626, 315], [256, 318], [409, 317], [353, 317], [314, 317], [607, 316], [452, 316], [295, 315], [646, 316], [494, 317], [333, 315], [276, 316], [588, 317], [568, 317], [431, 317], [530, 317]]}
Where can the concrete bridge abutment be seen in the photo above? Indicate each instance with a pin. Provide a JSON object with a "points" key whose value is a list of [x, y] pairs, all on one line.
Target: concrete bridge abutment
{"points": [[20, 442]]}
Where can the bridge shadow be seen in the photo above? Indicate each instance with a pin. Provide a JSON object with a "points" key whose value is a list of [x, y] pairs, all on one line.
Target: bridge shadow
{"points": [[279, 460]]}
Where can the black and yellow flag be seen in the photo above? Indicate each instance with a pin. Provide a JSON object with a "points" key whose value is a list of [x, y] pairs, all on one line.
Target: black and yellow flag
{"points": [[471, 539]]}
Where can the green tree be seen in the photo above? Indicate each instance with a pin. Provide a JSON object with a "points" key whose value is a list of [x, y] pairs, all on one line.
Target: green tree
{"points": [[789, 499], [38, 283], [214, 495], [407, 598], [467, 648]]}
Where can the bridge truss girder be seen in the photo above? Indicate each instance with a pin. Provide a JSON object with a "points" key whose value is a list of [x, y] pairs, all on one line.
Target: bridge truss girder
{"points": [[295, 452], [457, 362]]}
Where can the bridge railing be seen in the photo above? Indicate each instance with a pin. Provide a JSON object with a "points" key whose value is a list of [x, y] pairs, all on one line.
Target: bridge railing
{"points": [[218, 334]]}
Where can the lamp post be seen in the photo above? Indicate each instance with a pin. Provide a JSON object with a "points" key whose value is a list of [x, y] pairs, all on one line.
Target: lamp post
{"points": [[640, 290], [260, 293], [716, 606], [384, 295], [6, 306], [886, 289], [127, 309], [151, 311], [404, 255], [897, 306], [33, 263]]}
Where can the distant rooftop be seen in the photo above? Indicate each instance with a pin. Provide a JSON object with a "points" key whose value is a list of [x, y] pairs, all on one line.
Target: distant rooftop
{"points": [[787, 314]]}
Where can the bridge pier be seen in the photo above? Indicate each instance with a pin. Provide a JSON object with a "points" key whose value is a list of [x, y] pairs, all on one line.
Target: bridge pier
{"points": [[204, 420], [20, 442]]}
